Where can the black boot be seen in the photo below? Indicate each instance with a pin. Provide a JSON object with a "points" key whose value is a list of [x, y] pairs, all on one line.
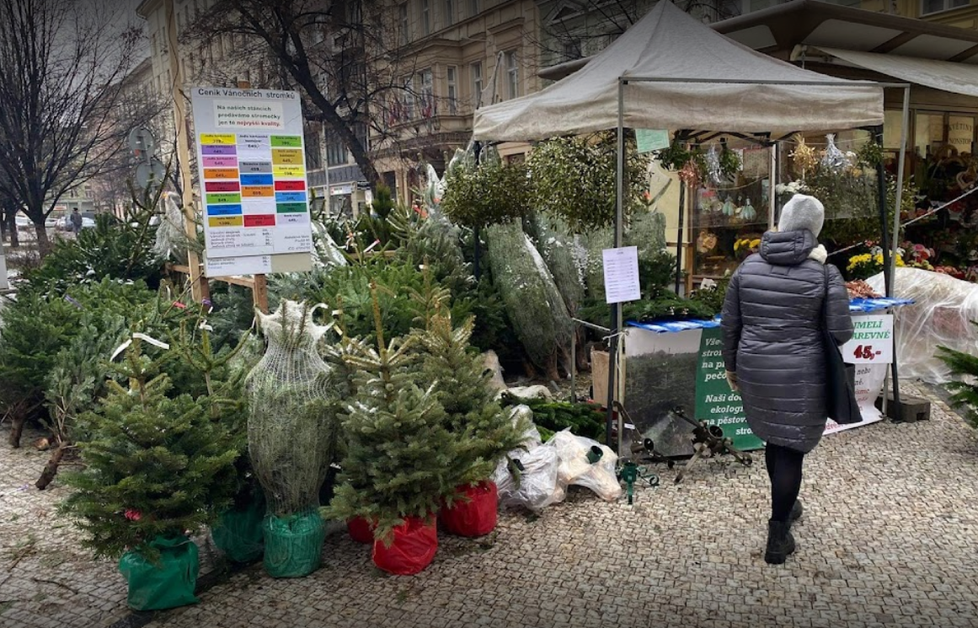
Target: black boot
{"points": [[796, 512], [780, 543]]}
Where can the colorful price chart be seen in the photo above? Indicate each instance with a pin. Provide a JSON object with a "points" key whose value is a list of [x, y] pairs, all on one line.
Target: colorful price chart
{"points": [[252, 172]]}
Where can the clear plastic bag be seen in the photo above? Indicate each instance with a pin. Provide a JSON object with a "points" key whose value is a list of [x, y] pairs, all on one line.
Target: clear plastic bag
{"points": [[940, 316], [585, 462], [534, 485]]}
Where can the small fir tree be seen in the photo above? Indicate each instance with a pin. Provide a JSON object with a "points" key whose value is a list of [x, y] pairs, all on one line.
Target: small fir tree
{"points": [[482, 428], [400, 457], [965, 393], [154, 467]]}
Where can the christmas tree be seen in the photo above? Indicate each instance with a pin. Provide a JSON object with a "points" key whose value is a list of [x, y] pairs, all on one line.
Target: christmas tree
{"points": [[400, 458], [483, 430], [154, 467], [965, 393]]}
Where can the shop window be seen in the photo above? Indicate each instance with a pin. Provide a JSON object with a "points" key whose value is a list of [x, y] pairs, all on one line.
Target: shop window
{"points": [[936, 6]]}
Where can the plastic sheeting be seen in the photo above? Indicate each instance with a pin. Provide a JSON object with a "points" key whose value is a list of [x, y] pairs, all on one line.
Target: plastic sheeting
{"points": [[577, 469], [942, 314], [474, 512], [536, 486], [412, 549]]}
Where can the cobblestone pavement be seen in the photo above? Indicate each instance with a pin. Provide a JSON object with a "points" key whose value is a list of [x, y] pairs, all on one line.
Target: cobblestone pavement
{"points": [[888, 539]]}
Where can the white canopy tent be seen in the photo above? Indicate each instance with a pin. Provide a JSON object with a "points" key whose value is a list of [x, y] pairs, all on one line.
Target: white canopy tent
{"points": [[704, 81], [670, 71]]}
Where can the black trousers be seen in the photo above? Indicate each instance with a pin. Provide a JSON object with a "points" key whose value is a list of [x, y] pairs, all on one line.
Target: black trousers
{"points": [[784, 470]]}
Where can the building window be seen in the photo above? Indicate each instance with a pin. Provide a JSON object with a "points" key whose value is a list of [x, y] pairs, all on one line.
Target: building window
{"points": [[426, 94], [935, 6], [405, 27], [408, 99], [425, 17], [477, 84], [572, 50], [473, 8], [512, 75], [452, 89], [449, 12], [335, 150]]}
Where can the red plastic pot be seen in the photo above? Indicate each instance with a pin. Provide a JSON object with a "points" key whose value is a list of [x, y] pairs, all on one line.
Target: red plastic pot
{"points": [[474, 512], [361, 530], [413, 548]]}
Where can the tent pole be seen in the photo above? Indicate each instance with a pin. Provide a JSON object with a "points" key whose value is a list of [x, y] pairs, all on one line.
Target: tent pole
{"points": [[616, 318], [679, 234], [773, 183], [891, 288], [884, 225]]}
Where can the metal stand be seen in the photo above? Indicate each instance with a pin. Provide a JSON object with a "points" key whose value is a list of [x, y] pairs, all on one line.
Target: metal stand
{"points": [[708, 441]]}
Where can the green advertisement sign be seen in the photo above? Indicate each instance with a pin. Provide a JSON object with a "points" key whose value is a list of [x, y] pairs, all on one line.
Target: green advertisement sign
{"points": [[715, 402]]}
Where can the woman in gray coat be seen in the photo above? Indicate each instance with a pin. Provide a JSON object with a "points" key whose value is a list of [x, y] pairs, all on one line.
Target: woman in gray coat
{"points": [[776, 305]]}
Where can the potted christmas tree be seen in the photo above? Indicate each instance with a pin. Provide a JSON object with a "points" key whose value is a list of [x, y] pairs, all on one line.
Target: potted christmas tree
{"points": [[156, 467], [292, 437], [400, 456], [483, 431]]}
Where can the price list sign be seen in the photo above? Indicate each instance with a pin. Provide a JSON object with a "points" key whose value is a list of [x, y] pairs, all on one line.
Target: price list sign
{"points": [[252, 173]]}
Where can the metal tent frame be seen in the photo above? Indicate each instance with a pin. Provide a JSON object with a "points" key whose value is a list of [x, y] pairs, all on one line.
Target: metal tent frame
{"points": [[889, 253]]}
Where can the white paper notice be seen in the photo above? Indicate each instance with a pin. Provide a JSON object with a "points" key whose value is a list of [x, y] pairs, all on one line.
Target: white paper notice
{"points": [[225, 266], [232, 242], [621, 281]]}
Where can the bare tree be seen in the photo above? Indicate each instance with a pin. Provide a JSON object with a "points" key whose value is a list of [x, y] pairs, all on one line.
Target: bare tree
{"points": [[60, 64], [344, 56]]}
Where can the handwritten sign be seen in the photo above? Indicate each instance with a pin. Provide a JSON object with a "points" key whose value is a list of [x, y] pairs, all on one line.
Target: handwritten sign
{"points": [[621, 281], [872, 340]]}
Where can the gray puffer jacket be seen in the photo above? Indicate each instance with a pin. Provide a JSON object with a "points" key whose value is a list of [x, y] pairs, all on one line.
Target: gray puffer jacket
{"points": [[772, 316]]}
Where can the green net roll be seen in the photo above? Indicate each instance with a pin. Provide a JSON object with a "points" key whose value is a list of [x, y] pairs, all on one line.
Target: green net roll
{"points": [[293, 544]]}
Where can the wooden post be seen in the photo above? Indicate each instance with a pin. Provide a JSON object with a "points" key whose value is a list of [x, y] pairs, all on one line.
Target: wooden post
{"points": [[183, 151], [260, 293]]}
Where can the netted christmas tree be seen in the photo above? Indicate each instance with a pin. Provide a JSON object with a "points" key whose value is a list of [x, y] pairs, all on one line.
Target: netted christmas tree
{"points": [[292, 436], [401, 458], [533, 302]]}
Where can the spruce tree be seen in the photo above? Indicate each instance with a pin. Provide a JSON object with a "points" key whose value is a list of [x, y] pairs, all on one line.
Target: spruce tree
{"points": [[965, 393], [483, 430], [400, 456], [155, 466]]}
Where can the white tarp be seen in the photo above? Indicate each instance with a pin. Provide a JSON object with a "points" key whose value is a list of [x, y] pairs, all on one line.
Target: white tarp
{"points": [[669, 43], [958, 78]]}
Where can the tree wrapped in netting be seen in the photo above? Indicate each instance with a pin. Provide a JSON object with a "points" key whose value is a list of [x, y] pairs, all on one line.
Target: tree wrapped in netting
{"points": [[559, 250], [292, 436], [533, 302]]}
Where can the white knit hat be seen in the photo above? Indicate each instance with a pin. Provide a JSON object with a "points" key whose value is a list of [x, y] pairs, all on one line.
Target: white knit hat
{"points": [[802, 212]]}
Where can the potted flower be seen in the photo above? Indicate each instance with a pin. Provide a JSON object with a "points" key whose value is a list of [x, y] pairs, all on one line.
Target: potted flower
{"points": [[156, 469]]}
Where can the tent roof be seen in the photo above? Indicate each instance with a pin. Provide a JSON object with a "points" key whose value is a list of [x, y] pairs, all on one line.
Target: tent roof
{"points": [[948, 76], [670, 44]]}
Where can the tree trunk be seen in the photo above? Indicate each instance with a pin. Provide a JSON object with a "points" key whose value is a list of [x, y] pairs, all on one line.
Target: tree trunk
{"points": [[11, 219], [51, 468], [43, 244], [17, 429]]}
